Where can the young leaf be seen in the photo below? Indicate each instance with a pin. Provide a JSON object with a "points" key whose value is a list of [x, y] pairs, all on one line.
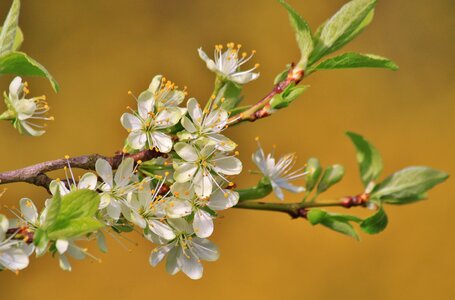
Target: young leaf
{"points": [[19, 38], [8, 33], [331, 176], [73, 228], [282, 75], [334, 221], [368, 158], [302, 34], [231, 94], [376, 223], [18, 63], [79, 204], [342, 27], [314, 170], [283, 100], [405, 200], [355, 60], [409, 182]]}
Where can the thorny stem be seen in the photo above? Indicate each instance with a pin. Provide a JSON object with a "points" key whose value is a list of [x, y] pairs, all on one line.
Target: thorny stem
{"points": [[36, 174]]}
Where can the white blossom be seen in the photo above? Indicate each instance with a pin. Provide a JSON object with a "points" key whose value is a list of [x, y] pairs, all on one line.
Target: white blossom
{"points": [[279, 172], [24, 113], [12, 255], [203, 165], [206, 124], [226, 64]]}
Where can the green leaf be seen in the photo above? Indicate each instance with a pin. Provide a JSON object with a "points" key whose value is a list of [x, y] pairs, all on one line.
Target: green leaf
{"points": [[408, 182], [261, 190], [18, 63], [368, 158], [72, 215], [283, 100], [19, 38], [231, 93], [315, 216], [337, 222], [9, 28], [356, 60], [331, 176], [405, 200], [342, 27], [376, 223], [282, 75], [341, 227], [302, 34], [314, 170], [67, 229]]}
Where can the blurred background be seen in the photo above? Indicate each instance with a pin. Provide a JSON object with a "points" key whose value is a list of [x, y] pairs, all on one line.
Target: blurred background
{"points": [[98, 50]]}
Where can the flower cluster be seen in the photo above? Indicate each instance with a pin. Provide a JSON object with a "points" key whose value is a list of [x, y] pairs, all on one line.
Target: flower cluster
{"points": [[173, 199]]}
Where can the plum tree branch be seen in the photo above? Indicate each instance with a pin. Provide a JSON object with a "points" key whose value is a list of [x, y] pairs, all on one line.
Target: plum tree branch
{"points": [[36, 174]]}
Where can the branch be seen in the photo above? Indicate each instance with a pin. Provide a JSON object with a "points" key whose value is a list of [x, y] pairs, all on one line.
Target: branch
{"points": [[300, 209], [262, 108], [36, 174]]}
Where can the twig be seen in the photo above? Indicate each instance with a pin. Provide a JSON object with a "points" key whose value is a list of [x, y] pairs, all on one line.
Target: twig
{"points": [[36, 174]]}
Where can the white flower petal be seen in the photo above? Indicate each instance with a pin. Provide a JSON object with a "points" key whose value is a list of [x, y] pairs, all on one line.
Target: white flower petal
{"points": [[161, 229], [242, 78], [185, 172], [124, 172], [202, 184], [62, 246], [228, 165], [172, 267], [25, 109], [209, 62], [88, 181], [137, 139], [223, 199], [15, 87], [188, 125], [221, 142], [104, 170], [28, 210], [13, 259], [162, 141], [205, 249], [64, 263], [178, 208], [167, 117], [186, 151], [202, 224], [130, 122], [114, 210], [190, 265], [195, 111], [158, 254], [145, 104], [155, 84]]}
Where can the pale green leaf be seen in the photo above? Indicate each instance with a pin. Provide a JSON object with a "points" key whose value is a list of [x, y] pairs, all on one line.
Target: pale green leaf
{"points": [[355, 60], [73, 228], [368, 158], [18, 63], [376, 223], [342, 27], [9, 28], [409, 182], [302, 34], [331, 176]]}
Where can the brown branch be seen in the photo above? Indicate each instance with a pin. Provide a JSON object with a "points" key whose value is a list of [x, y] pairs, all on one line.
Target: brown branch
{"points": [[262, 108], [36, 174]]}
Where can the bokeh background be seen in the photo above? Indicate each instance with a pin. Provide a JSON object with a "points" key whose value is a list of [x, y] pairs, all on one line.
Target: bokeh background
{"points": [[98, 50]]}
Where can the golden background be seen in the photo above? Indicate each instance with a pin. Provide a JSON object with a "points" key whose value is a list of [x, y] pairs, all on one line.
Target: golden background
{"points": [[98, 50]]}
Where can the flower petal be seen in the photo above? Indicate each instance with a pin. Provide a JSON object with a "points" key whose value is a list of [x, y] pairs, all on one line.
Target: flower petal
{"points": [[162, 141], [62, 246], [104, 170], [130, 122], [137, 139], [195, 111], [209, 62], [186, 151], [161, 229], [124, 172], [205, 249], [202, 224], [28, 210], [223, 199], [88, 181], [185, 172], [158, 254], [188, 125], [227, 165], [167, 117], [14, 259], [155, 84], [190, 265], [202, 184]]}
